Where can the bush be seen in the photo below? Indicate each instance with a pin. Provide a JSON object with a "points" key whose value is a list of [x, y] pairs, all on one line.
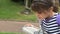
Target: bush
{"points": [[18, 1]]}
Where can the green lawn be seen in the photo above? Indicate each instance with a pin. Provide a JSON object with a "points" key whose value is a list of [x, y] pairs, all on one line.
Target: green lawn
{"points": [[11, 11]]}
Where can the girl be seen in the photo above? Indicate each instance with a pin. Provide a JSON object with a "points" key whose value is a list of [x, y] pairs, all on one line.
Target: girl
{"points": [[47, 12]]}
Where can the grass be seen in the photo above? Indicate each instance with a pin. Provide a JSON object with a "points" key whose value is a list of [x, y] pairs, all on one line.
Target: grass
{"points": [[8, 33], [12, 33], [11, 11]]}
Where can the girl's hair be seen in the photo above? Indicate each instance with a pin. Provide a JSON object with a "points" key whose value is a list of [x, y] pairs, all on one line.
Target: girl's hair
{"points": [[43, 5]]}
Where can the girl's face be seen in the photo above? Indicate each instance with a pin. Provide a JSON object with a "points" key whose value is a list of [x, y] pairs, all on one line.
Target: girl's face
{"points": [[42, 15], [45, 13]]}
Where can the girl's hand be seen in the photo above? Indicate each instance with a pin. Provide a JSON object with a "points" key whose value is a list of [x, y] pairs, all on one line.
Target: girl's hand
{"points": [[29, 25]]}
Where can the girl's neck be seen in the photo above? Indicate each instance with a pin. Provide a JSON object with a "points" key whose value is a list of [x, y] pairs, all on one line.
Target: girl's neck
{"points": [[50, 15]]}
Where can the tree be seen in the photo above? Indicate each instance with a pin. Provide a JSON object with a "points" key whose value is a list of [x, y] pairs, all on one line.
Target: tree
{"points": [[27, 7]]}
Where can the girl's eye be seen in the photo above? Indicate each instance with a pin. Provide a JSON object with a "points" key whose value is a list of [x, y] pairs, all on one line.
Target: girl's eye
{"points": [[40, 12]]}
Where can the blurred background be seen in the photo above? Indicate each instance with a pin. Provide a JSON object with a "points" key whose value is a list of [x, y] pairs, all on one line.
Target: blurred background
{"points": [[14, 14]]}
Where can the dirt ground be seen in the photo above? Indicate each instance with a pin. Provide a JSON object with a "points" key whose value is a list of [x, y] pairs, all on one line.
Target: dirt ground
{"points": [[13, 26]]}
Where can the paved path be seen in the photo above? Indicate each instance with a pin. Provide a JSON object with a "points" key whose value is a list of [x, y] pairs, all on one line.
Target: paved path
{"points": [[12, 26]]}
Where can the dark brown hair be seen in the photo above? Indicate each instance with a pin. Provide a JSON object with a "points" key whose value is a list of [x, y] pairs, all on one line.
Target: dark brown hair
{"points": [[43, 5]]}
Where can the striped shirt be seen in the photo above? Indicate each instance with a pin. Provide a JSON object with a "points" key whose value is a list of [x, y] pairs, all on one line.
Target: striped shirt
{"points": [[50, 25]]}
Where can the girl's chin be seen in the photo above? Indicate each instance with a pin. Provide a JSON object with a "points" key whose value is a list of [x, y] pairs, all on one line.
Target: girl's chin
{"points": [[41, 18]]}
